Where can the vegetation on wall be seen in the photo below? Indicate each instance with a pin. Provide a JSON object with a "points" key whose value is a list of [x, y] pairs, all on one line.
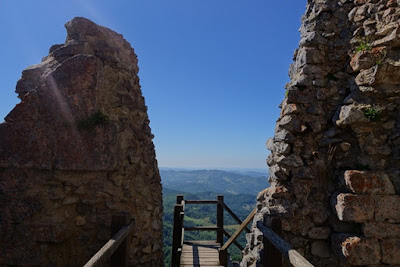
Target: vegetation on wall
{"points": [[372, 113], [364, 45], [91, 122]]}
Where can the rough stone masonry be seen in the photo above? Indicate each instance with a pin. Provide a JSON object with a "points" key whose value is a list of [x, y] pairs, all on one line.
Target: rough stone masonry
{"points": [[77, 149], [335, 156]]}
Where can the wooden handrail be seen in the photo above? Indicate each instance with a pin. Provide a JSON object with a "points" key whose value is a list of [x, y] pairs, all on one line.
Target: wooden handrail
{"points": [[294, 257], [223, 252], [234, 241], [235, 217], [115, 245], [202, 201], [239, 230]]}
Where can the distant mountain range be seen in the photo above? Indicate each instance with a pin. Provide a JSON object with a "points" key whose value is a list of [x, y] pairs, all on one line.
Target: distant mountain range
{"points": [[222, 182]]}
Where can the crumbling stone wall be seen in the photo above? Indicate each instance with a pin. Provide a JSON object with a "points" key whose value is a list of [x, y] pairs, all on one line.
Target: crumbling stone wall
{"points": [[335, 156], [77, 149]]}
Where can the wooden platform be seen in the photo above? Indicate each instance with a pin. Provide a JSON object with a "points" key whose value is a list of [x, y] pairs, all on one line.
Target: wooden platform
{"points": [[200, 254]]}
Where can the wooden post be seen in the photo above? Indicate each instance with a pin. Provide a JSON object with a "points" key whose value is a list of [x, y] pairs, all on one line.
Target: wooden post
{"points": [[176, 235], [272, 256], [179, 199], [223, 257], [121, 256], [220, 220]]}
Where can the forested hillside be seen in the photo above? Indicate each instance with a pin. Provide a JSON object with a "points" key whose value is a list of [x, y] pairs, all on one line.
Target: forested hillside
{"points": [[195, 181]]}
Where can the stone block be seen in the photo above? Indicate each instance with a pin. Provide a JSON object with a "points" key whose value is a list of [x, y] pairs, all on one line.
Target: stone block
{"points": [[387, 208], [321, 249], [47, 232], [360, 2], [368, 182], [350, 115], [381, 229], [356, 250], [291, 161], [391, 251], [288, 109], [362, 60], [357, 208], [319, 232]]}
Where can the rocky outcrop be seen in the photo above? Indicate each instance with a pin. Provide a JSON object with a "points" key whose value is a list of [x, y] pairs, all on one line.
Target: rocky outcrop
{"points": [[335, 157], [77, 149]]}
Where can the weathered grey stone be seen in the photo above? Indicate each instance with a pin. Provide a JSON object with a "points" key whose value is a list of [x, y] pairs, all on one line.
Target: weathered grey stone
{"points": [[282, 148], [147, 250], [378, 150], [387, 208], [284, 135], [277, 172], [321, 249], [385, 30], [289, 109], [389, 39], [362, 60], [350, 115], [367, 77], [292, 161], [80, 220], [319, 232], [345, 146], [357, 208], [369, 182], [356, 250], [390, 251], [270, 144], [308, 55], [312, 37], [381, 229]]}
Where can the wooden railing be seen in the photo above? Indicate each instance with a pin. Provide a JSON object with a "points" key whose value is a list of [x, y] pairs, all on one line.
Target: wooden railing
{"points": [[117, 248], [275, 248], [223, 252], [179, 229]]}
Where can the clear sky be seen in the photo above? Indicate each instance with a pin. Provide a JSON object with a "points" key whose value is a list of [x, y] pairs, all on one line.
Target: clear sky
{"points": [[212, 71]]}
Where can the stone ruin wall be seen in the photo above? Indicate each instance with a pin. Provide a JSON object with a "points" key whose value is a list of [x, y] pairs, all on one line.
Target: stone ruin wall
{"points": [[77, 149], [335, 156]]}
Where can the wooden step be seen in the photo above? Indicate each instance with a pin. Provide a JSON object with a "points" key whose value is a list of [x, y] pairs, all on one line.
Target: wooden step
{"points": [[200, 254]]}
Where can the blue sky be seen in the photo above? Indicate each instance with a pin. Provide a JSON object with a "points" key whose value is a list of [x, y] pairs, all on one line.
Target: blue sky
{"points": [[212, 71]]}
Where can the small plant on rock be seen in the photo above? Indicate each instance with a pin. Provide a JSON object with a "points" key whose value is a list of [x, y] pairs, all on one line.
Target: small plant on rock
{"points": [[364, 45], [372, 113], [91, 122]]}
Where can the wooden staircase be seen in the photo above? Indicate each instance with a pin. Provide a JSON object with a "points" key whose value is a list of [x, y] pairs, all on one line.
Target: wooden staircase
{"points": [[204, 253], [208, 253]]}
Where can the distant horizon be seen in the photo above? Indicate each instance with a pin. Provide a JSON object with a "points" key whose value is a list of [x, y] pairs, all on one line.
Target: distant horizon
{"points": [[244, 169]]}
